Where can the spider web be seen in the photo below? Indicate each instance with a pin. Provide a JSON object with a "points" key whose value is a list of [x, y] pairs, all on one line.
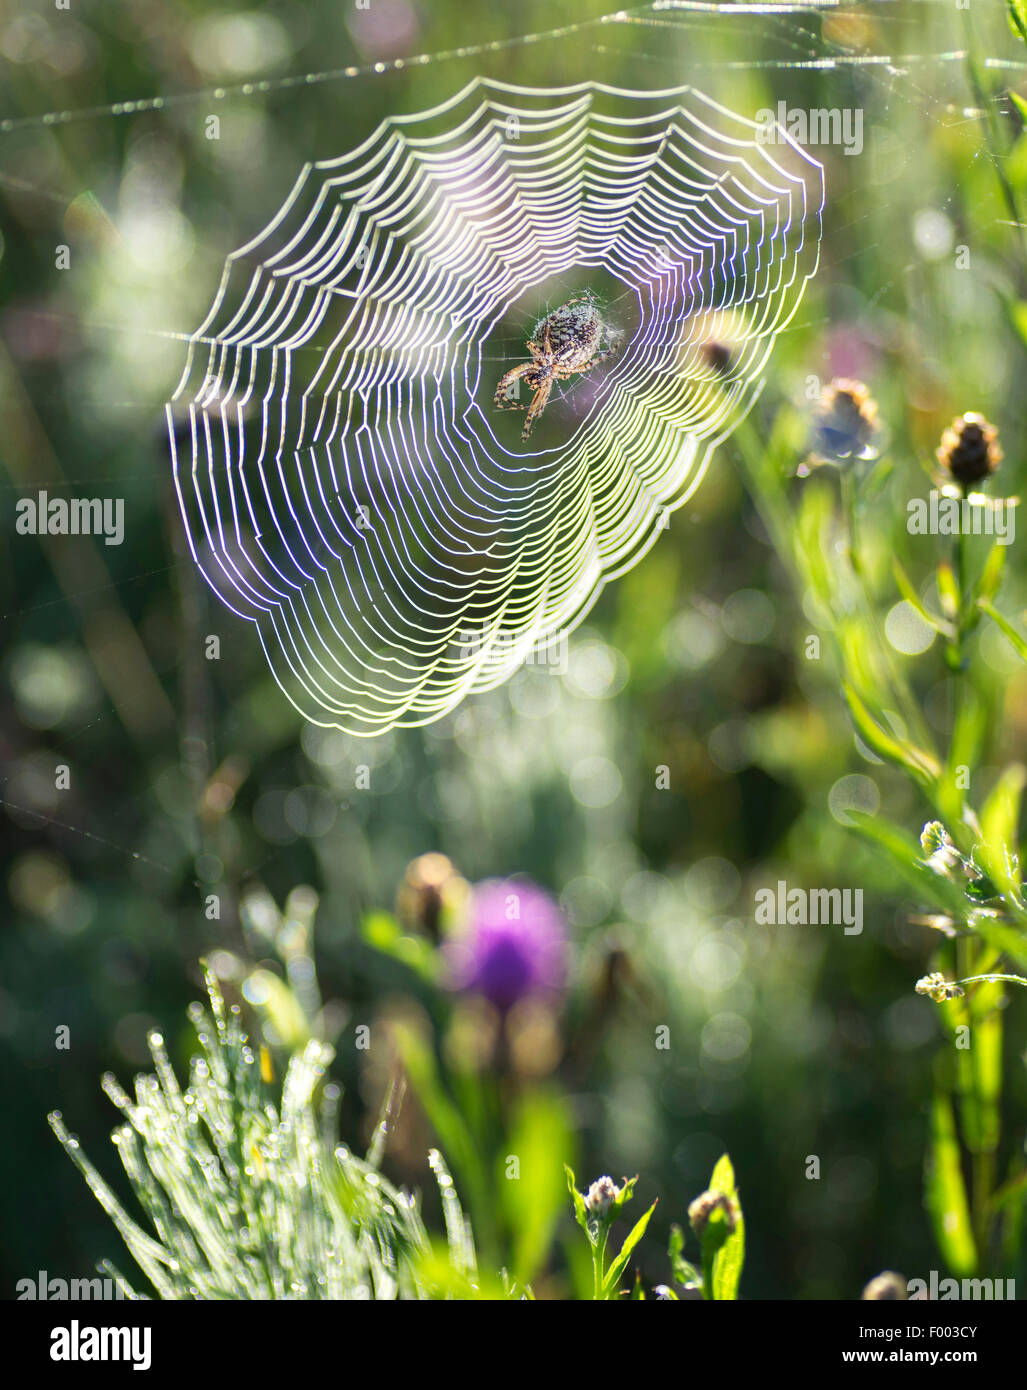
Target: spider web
{"points": [[346, 485], [344, 480]]}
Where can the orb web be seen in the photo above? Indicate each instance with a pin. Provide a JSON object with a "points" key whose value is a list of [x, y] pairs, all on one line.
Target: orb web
{"points": [[345, 479]]}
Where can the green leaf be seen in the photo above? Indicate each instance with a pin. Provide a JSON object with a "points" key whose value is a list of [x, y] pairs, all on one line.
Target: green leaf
{"points": [[683, 1270], [1002, 937], [723, 1179], [382, 932], [923, 767], [712, 1241], [444, 1281], [1013, 1204], [1014, 1192], [577, 1256], [630, 1241], [540, 1130], [990, 579], [969, 733], [986, 1054], [1016, 12], [625, 1194], [277, 1004], [730, 1257], [955, 1015], [874, 482], [909, 593], [1000, 818], [1006, 627], [815, 512], [419, 1062], [946, 1192], [580, 1210], [948, 590]]}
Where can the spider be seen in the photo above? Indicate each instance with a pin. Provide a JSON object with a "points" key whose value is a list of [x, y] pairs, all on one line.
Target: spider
{"points": [[565, 343]]}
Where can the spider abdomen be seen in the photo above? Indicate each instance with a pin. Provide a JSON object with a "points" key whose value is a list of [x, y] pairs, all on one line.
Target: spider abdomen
{"points": [[575, 332]]}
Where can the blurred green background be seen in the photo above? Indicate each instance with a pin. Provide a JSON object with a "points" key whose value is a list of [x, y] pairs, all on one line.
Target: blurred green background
{"points": [[190, 776]]}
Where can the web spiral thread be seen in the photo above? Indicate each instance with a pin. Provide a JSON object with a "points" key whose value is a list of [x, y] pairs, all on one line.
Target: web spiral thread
{"points": [[345, 480]]}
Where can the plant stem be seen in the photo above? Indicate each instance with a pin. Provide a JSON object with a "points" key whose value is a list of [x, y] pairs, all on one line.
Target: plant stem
{"points": [[599, 1263]]}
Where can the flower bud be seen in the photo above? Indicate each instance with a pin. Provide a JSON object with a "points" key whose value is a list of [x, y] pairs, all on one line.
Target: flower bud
{"points": [[700, 1211], [885, 1286], [969, 451], [601, 1196], [846, 421], [431, 892]]}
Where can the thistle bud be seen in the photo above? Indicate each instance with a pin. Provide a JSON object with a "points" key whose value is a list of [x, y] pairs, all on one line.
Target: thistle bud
{"points": [[969, 451], [430, 893], [601, 1196], [700, 1211], [846, 421]]}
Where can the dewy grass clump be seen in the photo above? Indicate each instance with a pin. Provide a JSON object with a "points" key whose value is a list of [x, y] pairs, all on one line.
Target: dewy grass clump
{"points": [[249, 1197]]}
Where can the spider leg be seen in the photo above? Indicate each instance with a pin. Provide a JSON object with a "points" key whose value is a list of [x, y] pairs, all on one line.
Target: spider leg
{"points": [[537, 406], [506, 384]]}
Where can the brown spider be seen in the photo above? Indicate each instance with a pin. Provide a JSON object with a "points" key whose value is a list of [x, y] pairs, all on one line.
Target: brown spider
{"points": [[565, 343]]}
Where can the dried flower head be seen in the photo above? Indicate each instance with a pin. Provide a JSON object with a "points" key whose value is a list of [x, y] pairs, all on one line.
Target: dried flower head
{"points": [[601, 1196], [700, 1211], [969, 451], [888, 1285], [938, 988], [846, 421]]}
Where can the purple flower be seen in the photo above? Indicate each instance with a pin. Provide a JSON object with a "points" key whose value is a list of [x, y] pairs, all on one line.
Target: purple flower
{"points": [[514, 944]]}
